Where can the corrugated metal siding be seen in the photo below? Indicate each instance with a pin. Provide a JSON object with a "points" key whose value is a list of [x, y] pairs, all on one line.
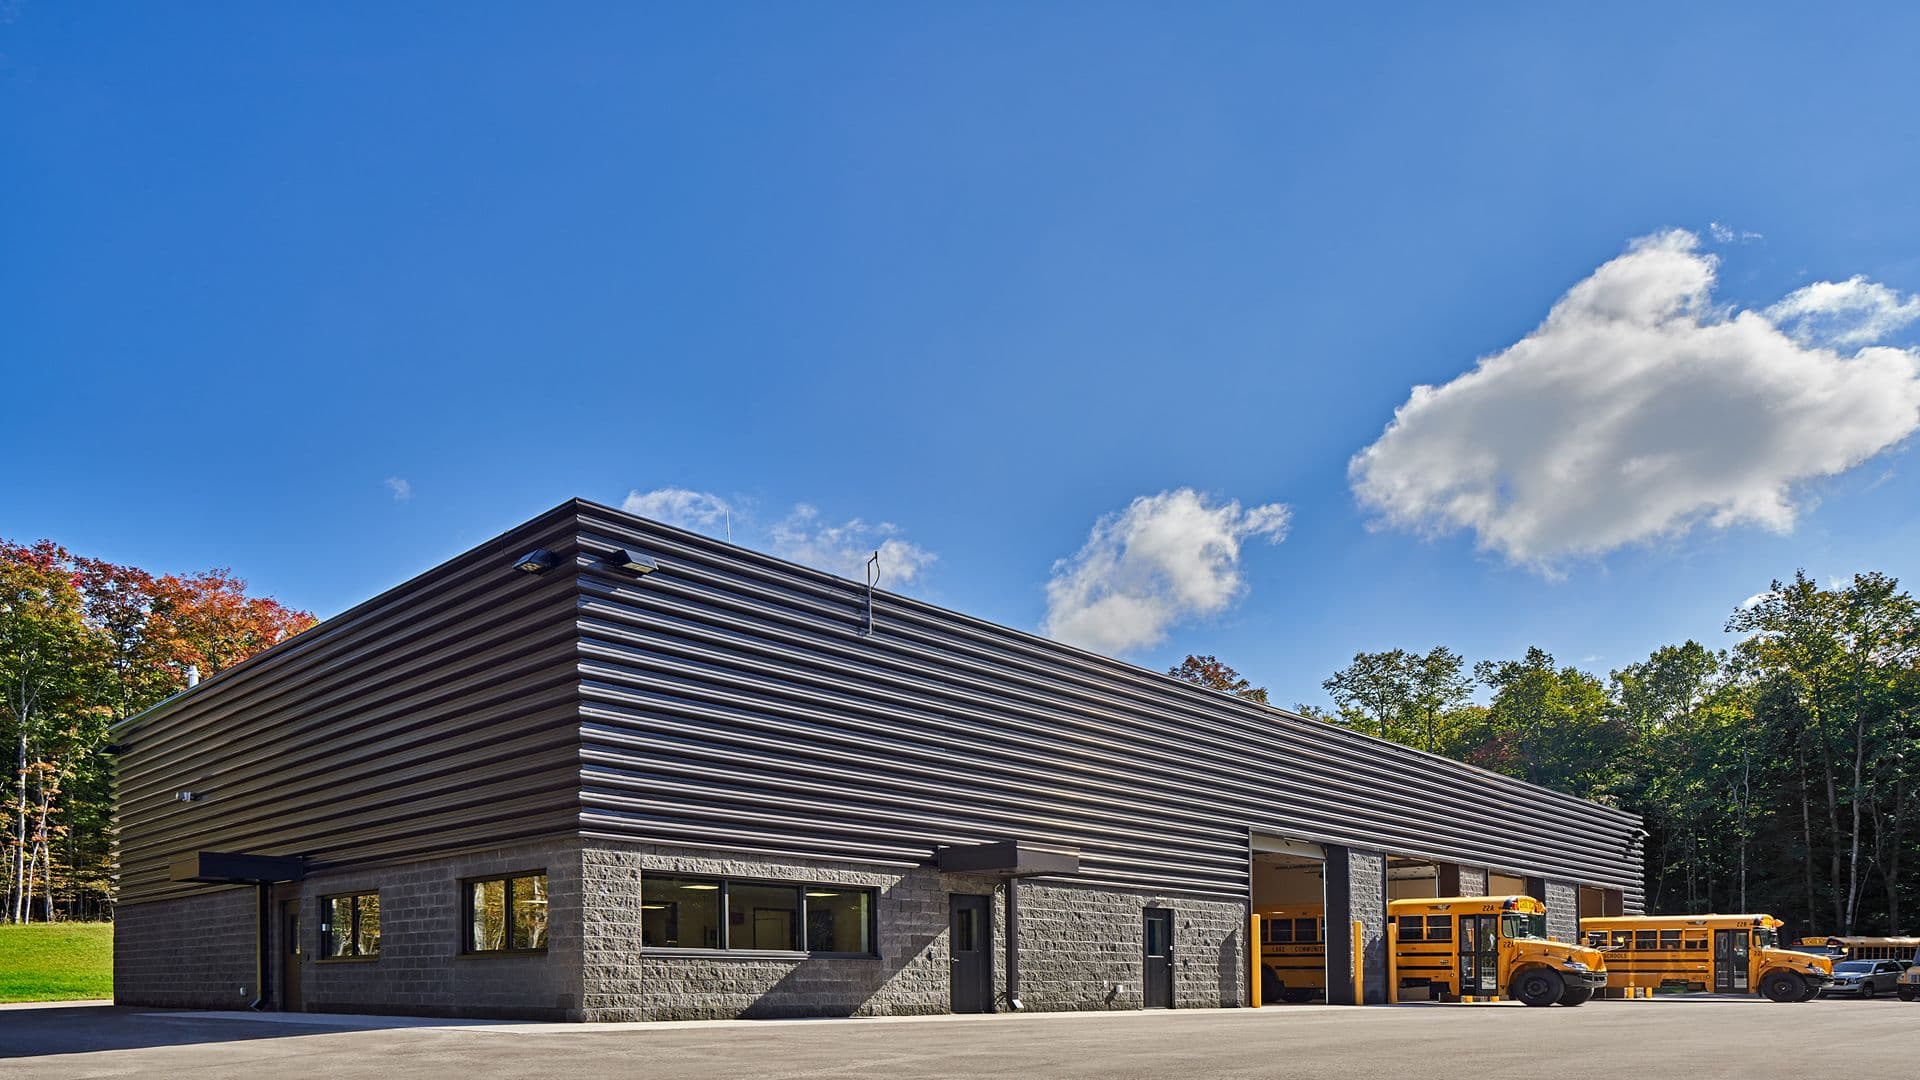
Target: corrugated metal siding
{"points": [[729, 700], [441, 714]]}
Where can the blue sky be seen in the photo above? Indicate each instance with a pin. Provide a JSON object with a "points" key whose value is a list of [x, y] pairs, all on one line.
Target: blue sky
{"points": [[986, 274]]}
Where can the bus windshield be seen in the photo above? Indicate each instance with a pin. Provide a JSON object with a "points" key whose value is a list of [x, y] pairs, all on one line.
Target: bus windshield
{"points": [[1515, 924], [1766, 937]]}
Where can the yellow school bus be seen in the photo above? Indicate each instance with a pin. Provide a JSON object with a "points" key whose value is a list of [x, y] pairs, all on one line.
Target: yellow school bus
{"points": [[1293, 953], [1867, 948], [1487, 946], [1728, 954], [1904, 949]]}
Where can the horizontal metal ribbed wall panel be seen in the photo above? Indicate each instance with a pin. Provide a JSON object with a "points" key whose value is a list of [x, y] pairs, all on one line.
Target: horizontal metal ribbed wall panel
{"points": [[442, 714], [730, 699]]}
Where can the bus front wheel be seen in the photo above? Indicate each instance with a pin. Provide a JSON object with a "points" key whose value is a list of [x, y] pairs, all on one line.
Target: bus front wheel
{"points": [[1783, 986], [1576, 995], [1538, 987], [1905, 992]]}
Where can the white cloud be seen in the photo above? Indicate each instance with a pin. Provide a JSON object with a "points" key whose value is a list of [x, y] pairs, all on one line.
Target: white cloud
{"points": [[1755, 600], [402, 490], [844, 549], [1164, 559], [1636, 411], [1846, 313], [801, 536], [1727, 234], [700, 511]]}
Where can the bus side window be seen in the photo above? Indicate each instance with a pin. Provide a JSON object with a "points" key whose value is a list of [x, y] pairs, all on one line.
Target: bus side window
{"points": [[1646, 939], [1596, 939], [1623, 939], [1696, 941], [1439, 928], [1311, 929], [1280, 932], [1669, 940]]}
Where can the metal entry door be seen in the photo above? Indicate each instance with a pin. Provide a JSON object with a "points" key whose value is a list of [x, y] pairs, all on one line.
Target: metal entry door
{"points": [[1730, 961], [1156, 986], [970, 932], [290, 947], [1479, 939]]}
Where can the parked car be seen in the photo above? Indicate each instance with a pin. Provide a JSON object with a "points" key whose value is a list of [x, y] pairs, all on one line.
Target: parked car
{"points": [[1864, 978]]}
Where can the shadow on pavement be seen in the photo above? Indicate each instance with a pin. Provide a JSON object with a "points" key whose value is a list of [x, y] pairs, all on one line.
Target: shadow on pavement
{"points": [[78, 1029]]}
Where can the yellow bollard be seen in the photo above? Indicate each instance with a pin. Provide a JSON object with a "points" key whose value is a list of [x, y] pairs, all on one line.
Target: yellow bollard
{"points": [[1393, 963], [1253, 960], [1359, 963]]}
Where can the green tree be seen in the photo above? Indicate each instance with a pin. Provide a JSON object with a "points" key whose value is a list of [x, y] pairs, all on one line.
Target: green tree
{"points": [[1375, 690]]}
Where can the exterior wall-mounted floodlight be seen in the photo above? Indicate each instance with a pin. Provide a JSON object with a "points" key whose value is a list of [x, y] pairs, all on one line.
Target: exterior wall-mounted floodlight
{"points": [[632, 561], [537, 561]]}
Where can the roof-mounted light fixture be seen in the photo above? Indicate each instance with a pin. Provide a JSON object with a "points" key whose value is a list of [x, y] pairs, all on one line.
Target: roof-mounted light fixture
{"points": [[632, 561], [537, 561]]}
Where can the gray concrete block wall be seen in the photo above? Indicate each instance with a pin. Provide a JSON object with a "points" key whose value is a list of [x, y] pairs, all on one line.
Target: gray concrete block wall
{"points": [[908, 976], [194, 952], [1473, 881], [1563, 911], [1367, 876], [198, 951], [1080, 946], [423, 968]]}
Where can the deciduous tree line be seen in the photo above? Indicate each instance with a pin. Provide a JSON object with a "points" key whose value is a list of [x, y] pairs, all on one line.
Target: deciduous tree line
{"points": [[84, 643], [1779, 775]]}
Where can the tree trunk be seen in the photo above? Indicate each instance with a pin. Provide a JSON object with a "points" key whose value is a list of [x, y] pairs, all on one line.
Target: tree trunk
{"points": [[20, 826], [1859, 796]]}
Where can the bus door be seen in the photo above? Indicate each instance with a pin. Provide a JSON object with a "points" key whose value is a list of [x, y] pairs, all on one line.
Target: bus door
{"points": [[1730, 961], [1479, 939]]}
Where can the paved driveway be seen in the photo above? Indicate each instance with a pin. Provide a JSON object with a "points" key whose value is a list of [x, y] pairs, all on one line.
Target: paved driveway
{"points": [[1698, 1039]]}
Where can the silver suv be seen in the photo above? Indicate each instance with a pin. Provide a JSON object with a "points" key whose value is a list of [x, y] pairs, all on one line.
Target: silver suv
{"points": [[1864, 978]]}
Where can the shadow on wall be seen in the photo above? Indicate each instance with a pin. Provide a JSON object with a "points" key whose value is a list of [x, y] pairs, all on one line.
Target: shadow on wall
{"points": [[1232, 964]]}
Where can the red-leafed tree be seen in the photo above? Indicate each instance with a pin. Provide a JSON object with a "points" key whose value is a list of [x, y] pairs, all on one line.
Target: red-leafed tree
{"points": [[83, 643]]}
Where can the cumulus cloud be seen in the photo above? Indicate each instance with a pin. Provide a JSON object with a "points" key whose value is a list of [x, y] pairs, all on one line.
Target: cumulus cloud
{"points": [[1843, 314], [844, 548], [802, 536], [700, 511], [401, 489], [1164, 559], [1638, 410]]}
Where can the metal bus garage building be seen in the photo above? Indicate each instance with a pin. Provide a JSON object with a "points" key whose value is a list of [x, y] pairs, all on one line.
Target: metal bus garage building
{"points": [[599, 768]]}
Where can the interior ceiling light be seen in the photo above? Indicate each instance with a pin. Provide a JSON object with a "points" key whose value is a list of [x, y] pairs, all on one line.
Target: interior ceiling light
{"points": [[537, 561], [632, 561], [700, 887]]}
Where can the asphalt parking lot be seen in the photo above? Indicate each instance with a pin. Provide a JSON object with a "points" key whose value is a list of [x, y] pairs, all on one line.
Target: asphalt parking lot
{"points": [[1695, 1038]]}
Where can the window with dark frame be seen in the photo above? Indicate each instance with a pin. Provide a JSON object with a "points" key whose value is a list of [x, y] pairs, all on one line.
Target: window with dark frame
{"points": [[738, 915], [350, 926], [507, 914], [1439, 928], [1412, 927]]}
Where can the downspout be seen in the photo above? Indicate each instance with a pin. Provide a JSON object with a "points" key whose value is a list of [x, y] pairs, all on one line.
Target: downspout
{"points": [[260, 964], [1013, 944]]}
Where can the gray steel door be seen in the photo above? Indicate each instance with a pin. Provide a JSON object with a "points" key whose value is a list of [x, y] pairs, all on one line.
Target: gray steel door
{"points": [[1156, 985], [290, 950], [970, 932]]}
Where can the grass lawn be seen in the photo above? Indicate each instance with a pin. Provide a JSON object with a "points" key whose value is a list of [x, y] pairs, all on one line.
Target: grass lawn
{"points": [[56, 962]]}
